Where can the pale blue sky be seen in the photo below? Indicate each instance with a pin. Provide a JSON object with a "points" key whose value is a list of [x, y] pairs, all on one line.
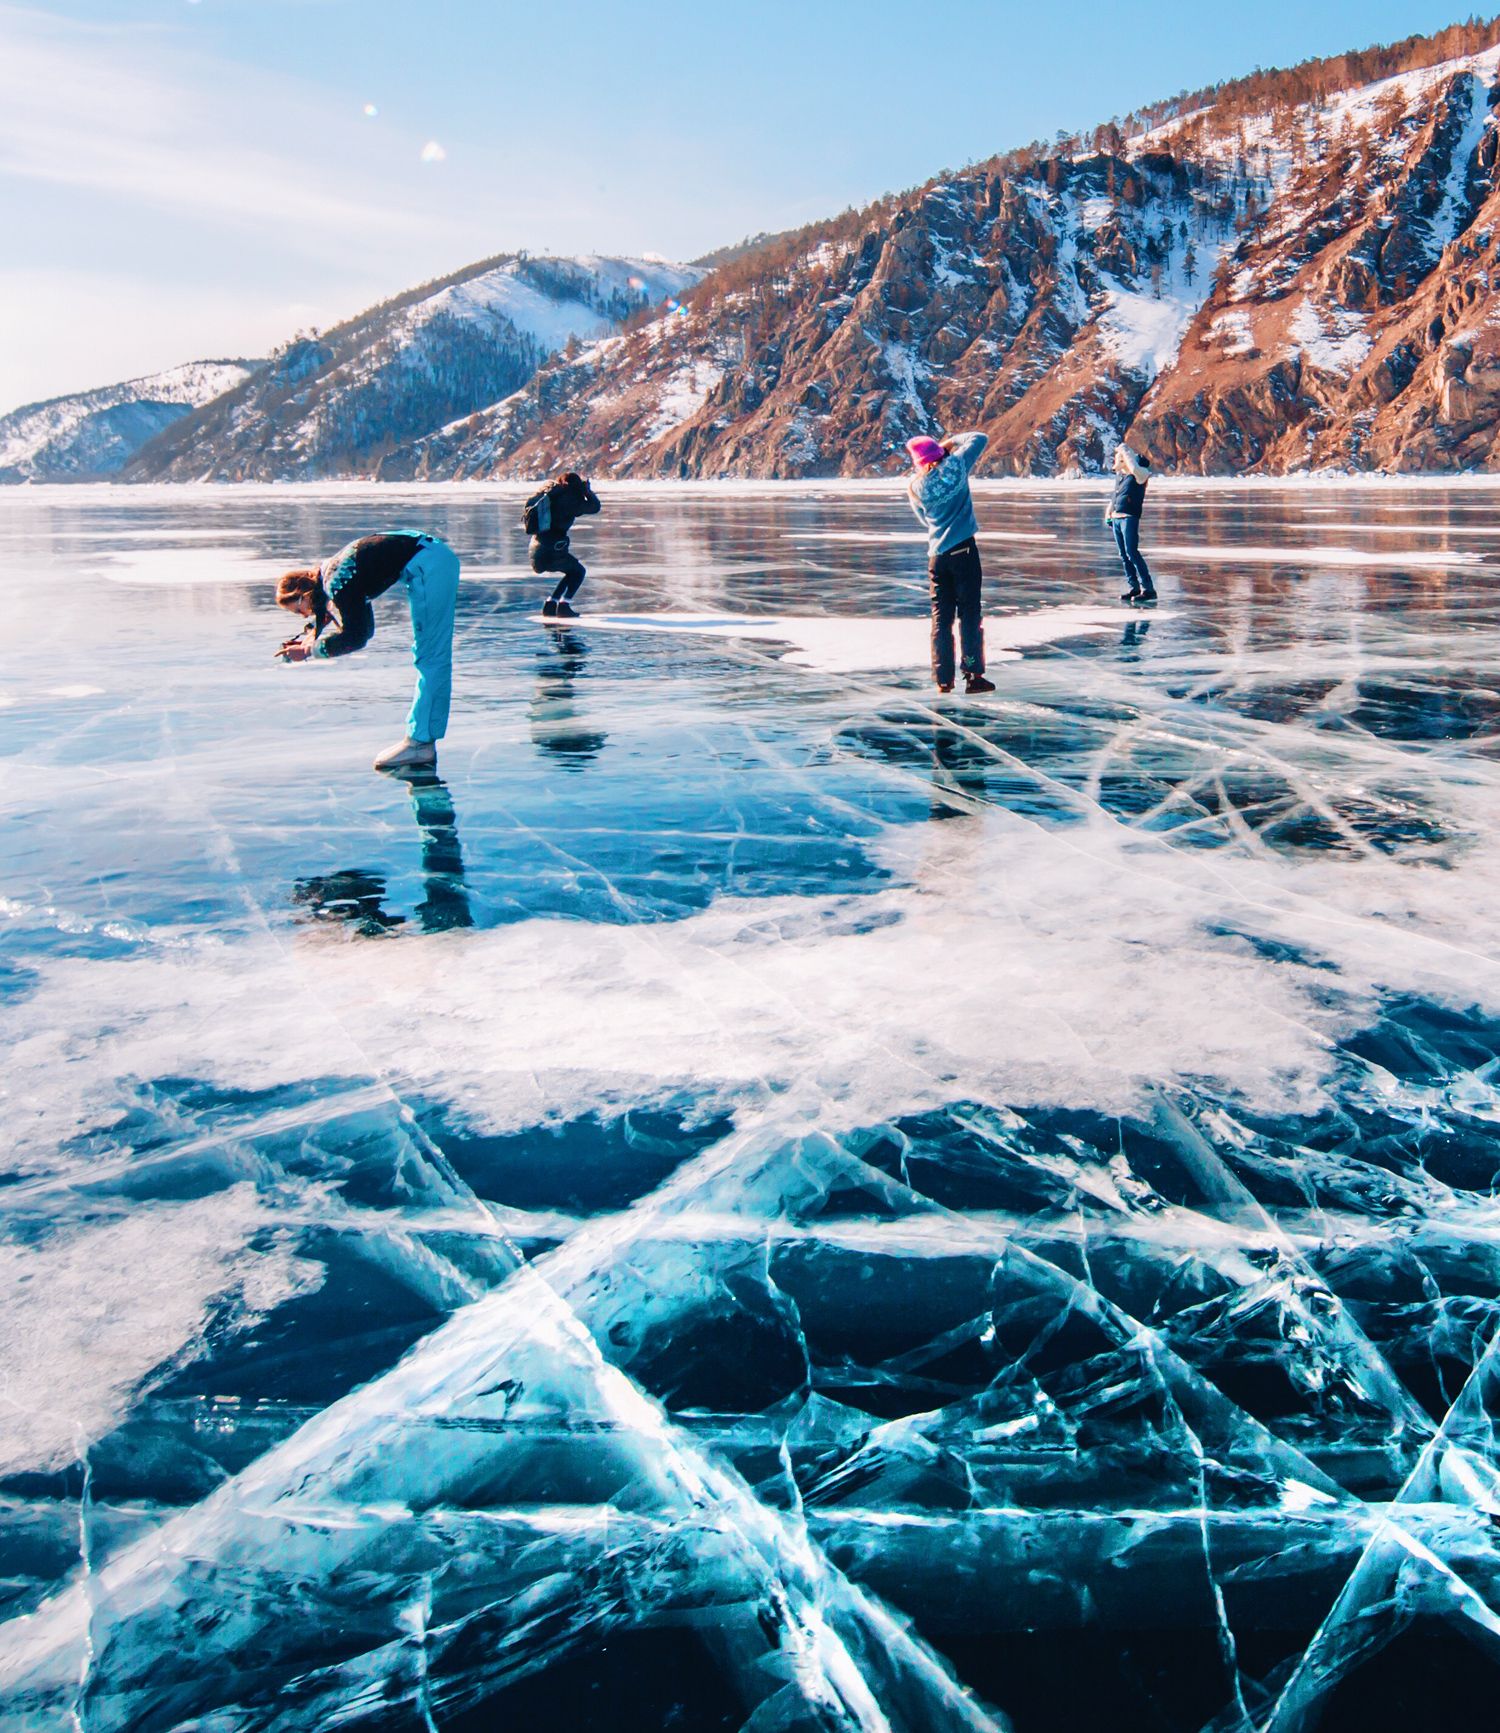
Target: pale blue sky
{"points": [[181, 178]]}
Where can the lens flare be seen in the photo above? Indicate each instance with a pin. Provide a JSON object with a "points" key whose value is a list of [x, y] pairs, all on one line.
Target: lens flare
{"points": [[371, 111], [432, 151]]}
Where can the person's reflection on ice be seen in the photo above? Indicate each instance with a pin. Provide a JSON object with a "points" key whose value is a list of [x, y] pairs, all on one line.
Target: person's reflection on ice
{"points": [[556, 725], [959, 769], [356, 896], [445, 896]]}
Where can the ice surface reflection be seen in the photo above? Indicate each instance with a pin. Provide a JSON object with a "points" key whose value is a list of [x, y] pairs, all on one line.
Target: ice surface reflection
{"points": [[759, 1198]]}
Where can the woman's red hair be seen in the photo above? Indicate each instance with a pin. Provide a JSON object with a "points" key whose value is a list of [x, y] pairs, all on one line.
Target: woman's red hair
{"points": [[292, 587]]}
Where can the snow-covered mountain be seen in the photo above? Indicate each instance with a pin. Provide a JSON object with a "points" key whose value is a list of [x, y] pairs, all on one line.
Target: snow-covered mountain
{"points": [[336, 403], [1300, 269], [92, 435]]}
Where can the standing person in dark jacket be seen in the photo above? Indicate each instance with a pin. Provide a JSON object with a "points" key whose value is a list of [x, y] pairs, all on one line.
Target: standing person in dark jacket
{"points": [[1124, 518], [549, 515], [939, 495], [336, 598]]}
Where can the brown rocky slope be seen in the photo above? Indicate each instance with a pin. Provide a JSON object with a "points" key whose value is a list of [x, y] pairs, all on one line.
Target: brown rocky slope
{"points": [[1302, 284]]}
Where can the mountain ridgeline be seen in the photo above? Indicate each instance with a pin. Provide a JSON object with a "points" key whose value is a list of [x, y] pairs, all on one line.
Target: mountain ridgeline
{"points": [[1289, 274], [341, 401], [1294, 271]]}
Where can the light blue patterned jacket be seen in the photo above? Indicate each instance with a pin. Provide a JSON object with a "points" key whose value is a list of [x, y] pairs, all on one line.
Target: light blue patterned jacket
{"points": [[940, 496]]}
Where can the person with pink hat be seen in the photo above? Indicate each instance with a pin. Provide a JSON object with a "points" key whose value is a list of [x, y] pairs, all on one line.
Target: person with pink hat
{"points": [[939, 495]]}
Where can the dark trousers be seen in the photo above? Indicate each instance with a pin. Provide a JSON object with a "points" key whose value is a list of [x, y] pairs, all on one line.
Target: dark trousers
{"points": [[1128, 541], [955, 577], [555, 557]]}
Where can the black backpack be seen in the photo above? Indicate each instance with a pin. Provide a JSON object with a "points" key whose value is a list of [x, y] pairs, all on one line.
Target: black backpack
{"points": [[536, 519]]}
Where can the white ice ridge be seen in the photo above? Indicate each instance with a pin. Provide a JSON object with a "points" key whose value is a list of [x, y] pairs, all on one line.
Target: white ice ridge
{"points": [[72, 1353], [855, 644]]}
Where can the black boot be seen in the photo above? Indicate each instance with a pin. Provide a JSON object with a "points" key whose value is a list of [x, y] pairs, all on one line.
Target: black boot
{"points": [[566, 611], [549, 608], [1133, 594], [977, 683], [1147, 595]]}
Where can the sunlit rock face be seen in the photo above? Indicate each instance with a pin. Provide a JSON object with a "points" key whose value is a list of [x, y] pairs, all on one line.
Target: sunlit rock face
{"points": [[758, 1198]]}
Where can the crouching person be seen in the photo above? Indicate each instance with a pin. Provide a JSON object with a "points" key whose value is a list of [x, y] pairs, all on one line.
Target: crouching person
{"points": [[336, 599], [548, 517]]}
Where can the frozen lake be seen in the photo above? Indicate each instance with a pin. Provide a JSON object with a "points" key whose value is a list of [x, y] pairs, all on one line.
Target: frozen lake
{"points": [[762, 1198]]}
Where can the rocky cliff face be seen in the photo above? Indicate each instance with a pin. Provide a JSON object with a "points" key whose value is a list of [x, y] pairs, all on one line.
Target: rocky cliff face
{"points": [[1354, 324], [335, 403], [1303, 287]]}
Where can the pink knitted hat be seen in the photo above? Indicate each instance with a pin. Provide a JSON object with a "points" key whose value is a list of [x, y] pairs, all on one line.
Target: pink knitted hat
{"points": [[925, 451]]}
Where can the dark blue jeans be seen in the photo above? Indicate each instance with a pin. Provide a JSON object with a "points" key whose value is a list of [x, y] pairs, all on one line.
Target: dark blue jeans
{"points": [[1128, 541], [954, 580]]}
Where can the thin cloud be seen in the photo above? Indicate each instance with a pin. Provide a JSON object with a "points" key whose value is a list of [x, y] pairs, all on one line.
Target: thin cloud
{"points": [[177, 203], [124, 112]]}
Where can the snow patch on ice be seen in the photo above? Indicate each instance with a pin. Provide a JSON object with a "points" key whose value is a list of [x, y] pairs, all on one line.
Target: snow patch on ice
{"points": [[846, 644], [85, 1316], [1266, 554], [174, 568], [846, 1009]]}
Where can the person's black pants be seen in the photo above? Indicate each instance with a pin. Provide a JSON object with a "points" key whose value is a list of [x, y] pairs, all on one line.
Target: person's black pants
{"points": [[955, 577], [556, 558]]}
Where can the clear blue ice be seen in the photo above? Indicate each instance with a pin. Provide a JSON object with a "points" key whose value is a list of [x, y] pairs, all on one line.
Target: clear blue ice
{"points": [[760, 1198]]}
